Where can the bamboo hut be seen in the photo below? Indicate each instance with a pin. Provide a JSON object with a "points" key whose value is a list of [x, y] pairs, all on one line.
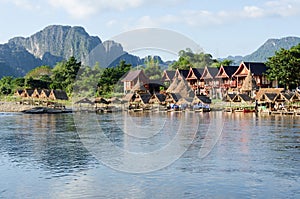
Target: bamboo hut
{"points": [[203, 99], [45, 94], [142, 99], [229, 97], [58, 95], [27, 93], [173, 85], [157, 98], [172, 98], [36, 93], [243, 98], [18, 93], [184, 89]]}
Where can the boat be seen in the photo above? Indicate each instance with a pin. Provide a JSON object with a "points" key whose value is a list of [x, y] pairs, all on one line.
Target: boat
{"points": [[46, 110]]}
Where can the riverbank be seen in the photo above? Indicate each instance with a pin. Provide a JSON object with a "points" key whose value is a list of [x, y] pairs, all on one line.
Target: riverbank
{"points": [[13, 107]]}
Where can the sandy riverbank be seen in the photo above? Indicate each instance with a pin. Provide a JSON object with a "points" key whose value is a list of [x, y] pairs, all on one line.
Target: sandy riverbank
{"points": [[13, 107]]}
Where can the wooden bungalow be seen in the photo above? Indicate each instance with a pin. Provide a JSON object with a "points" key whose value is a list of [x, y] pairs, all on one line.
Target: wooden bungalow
{"points": [[184, 89], [168, 76], [131, 79], [224, 76], [44, 94], [172, 98], [18, 93], [157, 98], [225, 80], [142, 98], [173, 85], [242, 98], [181, 74], [229, 97], [201, 99], [27, 93], [208, 83], [58, 95], [193, 78], [259, 95], [257, 70], [36, 93]]}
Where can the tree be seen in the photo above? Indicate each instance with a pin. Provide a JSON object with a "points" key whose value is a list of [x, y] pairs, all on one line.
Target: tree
{"points": [[64, 75], [187, 59], [152, 69], [5, 85], [87, 80], [225, 62], [110, 77], [39, 72], [284, 67]]}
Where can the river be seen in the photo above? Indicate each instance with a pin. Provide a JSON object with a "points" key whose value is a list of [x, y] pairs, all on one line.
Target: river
{"points": [[154, 155]]}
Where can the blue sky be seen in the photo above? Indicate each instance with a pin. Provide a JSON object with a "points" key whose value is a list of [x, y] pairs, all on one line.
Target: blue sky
{"points": [[221, 28]]}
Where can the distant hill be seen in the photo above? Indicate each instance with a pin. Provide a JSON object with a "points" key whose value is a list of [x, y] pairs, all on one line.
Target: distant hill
{"points": [[56, 43], [268, 49]]}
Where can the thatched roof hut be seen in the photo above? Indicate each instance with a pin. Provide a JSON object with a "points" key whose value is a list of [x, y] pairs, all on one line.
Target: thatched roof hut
{"points": [[84, 101], [184, 89], [172, 98], [249, 83], [101, 100], [27, 93], [36, 93], [129, 97], [244, 98], [142, 98], [186, 101], [203, 99], [229, 97], [58, 95], [262, 91], [18, 92], [157, 98], [173, 85], [44, 94]]}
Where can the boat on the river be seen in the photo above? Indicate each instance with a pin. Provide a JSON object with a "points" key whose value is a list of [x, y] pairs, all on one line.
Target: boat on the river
{"points": [[43, 110]]}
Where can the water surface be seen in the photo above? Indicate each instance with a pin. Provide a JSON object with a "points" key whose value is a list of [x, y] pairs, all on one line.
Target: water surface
{"points": [[43, 156]]}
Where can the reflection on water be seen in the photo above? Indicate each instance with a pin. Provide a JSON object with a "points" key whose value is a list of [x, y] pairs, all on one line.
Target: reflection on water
{"points": [[42, 156], [44, 141]]}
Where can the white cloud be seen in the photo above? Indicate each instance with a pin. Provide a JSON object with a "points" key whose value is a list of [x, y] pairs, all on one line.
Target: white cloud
{"points": [[25, 4], [82, 9]]}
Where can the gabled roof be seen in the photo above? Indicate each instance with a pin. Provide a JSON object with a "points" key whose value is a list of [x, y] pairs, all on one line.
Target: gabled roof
{"points": [[157, 98], [173, 85], [195, 73], [184, 89], [267, 90], [134, 74], [173, 97], [209, 73], [226, 71], [257, 68], [139, 86], [229, 97], [181, 74], [59, 94], [202, 99], [242, 98], [143, 98], [168, 75]]}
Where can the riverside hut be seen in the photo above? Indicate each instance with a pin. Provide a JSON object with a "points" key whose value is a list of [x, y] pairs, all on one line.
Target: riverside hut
{"points": [[132, 78], [201, 99], [168, 76], [18, 93], [172, 98], [36, 93], [44, 94], [193, 78], [58, 95], [27, 93], [157, 98]]}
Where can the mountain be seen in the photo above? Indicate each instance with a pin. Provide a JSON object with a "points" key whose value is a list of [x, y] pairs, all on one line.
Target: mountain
{"points": [[268, 49], [56, 43]]}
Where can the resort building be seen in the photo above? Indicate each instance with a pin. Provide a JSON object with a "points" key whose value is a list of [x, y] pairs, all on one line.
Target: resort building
{"points": [[132, 78], [193, 78]]}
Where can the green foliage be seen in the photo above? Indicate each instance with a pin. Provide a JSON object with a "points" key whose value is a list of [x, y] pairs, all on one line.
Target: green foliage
{"points": [[6, 85], [64, 75], [225, 62], [110, 77], [284, 66], [87, 81], [39, 72], [187, 59], [152, 69]]}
